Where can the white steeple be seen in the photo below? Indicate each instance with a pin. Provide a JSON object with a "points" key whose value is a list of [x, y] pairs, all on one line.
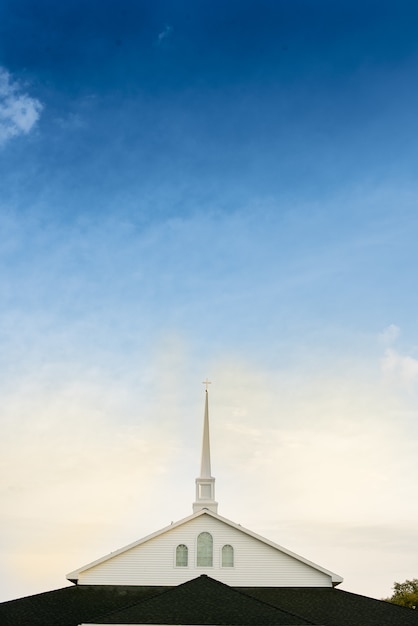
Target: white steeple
{"points": [[205, 484]]}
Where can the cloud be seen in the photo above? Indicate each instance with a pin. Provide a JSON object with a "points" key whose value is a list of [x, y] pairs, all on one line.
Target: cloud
{"points": [[18, 111], [401, 368], [389, 334], [164, 34], [304, 433]]}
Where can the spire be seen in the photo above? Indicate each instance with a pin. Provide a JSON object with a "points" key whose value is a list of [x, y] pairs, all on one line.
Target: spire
{"points": [[205, 463], [205, 484]]}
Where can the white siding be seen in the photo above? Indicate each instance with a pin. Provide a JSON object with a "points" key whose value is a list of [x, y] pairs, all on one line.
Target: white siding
{"points": [[255, 562]]}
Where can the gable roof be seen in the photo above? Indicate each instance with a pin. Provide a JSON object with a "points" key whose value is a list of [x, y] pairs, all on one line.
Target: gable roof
{"points": [[84, 604], [335, 578], [203, 600]]}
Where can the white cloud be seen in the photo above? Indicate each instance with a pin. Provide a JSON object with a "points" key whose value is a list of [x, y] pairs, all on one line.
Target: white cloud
{"points": [[18, 111], [389, 334], [400, 368], [166, 32], [320, 441]]}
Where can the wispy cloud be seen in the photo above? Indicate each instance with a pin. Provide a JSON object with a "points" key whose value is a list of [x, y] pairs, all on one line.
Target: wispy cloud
{"points": [[164, 34], [19, 112], [390, 334], [402, 368]]}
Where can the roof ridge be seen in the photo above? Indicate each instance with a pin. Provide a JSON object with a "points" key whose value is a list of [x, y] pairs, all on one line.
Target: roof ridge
{"points": [[42, 593], [213, 581]]}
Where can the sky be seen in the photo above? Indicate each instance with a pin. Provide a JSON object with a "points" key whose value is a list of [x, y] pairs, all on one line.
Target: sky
{"points": [[208, 189]]}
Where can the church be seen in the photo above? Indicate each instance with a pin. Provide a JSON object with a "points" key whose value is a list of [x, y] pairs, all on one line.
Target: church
{"points": [[203, 569]]}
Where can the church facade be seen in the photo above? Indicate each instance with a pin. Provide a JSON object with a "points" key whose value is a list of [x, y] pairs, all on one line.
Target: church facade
{"points": [[203, 569], [204, 544]]}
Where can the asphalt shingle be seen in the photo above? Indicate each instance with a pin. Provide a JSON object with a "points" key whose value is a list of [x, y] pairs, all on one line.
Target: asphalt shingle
{"points": [[202, 601]]}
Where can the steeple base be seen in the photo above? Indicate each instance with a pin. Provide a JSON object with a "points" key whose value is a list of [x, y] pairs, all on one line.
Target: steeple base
{"points": [[205, 495], [210, 505]]}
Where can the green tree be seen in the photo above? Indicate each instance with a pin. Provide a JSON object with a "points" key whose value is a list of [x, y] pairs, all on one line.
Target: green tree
{"points": [[405, 594]]}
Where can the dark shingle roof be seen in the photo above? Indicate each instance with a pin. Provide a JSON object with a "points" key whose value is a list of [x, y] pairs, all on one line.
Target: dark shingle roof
{"points": [[203, 601], [334, 607], [71, 606]]}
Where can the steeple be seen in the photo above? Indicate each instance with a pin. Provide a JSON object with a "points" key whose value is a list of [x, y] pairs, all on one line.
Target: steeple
{"points": [[205, 484]]}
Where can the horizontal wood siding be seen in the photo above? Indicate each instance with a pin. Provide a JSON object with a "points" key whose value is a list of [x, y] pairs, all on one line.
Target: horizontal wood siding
{"points": [[255, 563]]}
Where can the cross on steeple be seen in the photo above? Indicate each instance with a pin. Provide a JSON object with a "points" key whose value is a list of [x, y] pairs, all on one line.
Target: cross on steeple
{"points": [[206, 383]]}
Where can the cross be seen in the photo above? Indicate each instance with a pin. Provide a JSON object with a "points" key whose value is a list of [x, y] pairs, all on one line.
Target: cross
{"points": [[206, 382]]}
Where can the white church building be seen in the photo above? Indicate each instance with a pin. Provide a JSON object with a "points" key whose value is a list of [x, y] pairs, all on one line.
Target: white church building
{"points": [[204, 543]]}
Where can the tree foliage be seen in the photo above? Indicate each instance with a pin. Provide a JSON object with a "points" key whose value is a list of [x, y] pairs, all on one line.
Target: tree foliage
{"points": [[405, 594]]}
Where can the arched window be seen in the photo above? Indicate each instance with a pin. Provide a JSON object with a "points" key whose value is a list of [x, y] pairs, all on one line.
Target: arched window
{"points": [[204, 550], [227, 556], [182, 555]]}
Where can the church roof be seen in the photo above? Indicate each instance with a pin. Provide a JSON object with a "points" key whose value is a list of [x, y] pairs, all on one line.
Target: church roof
{"points": [[203, 600], [327, 606], [70, 606], [335, 578]]}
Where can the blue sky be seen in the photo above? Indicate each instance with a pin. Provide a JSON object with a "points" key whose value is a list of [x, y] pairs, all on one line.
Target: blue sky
{"points": [[208, 189]]}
